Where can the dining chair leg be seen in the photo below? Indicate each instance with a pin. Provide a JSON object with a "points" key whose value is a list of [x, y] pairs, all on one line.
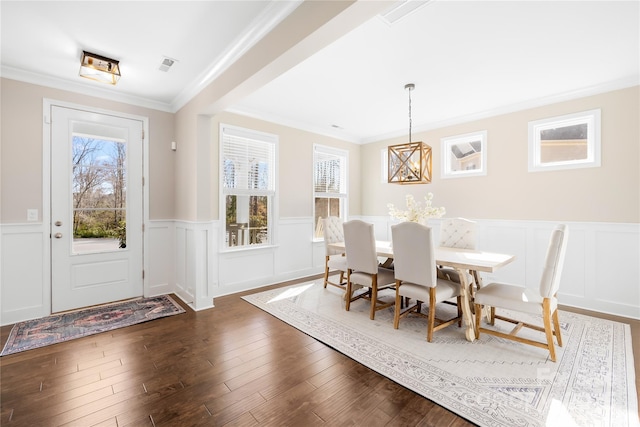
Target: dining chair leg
{"points": [[478, 319], [397, 308], [556, 327], [349, 291], [374, 297], [432, 313], [546, 316], [326, 271]]}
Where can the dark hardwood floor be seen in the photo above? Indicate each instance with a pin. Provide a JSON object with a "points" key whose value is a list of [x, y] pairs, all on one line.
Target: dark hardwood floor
{"points": [[230, 365]]}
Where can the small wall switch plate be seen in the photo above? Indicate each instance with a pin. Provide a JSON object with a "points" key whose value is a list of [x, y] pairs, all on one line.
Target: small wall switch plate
{"points": [[174, 145], [32, 214]]}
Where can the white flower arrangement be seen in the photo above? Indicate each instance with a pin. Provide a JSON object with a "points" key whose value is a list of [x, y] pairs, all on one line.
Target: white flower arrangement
{"points": [[415, 211]]}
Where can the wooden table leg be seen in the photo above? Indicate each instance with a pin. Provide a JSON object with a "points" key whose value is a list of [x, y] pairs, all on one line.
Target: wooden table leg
{"points": [[467, 314], [486, 310]]}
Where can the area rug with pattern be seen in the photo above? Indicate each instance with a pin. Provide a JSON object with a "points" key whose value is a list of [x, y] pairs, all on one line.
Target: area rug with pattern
{"points": [[81, 323], [491, 381]]}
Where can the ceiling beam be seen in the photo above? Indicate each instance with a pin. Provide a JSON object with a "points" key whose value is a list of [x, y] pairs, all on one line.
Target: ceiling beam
{"points": [[310, 27]]}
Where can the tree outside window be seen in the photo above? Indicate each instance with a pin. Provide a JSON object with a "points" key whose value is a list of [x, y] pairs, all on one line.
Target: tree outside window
{"points": [[99, 189]]}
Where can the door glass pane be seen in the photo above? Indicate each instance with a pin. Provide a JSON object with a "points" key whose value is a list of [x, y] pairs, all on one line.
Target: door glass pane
{"points": [[99, 195]]}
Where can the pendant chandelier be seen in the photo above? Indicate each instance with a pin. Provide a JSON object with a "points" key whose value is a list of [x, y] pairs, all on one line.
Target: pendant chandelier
{"points": [[409, 163]]}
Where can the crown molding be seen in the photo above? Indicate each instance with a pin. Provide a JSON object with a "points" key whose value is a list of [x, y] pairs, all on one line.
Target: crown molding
{"points": [[512, 108], [81, 88], [533, 103]]}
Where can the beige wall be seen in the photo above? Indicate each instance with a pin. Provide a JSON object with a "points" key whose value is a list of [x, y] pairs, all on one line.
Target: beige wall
{"points": [[21, 149], [610, 193], [184, 184]]}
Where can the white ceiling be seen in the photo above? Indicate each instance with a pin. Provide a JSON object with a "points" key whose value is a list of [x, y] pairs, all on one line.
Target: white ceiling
{"points": [[467, 59]]}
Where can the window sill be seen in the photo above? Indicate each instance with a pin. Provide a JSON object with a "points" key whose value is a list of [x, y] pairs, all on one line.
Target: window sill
{"points": [[241, 249]]}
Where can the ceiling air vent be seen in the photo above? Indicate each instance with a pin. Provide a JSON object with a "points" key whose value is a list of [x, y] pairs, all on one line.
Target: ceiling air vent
{"points": [[166, 63], [402, 9]]}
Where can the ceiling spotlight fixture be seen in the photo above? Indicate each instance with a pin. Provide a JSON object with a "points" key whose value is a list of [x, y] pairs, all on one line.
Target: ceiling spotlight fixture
{"points": [[409, 163], [99, 68]]}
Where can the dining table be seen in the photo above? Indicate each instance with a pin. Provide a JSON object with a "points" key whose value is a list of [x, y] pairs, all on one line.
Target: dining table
{"points": [[463, 261]]}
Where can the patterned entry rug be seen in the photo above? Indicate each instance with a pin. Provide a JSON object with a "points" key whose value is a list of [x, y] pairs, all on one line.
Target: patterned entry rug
{"points": [[77, 324], [490, 382]]}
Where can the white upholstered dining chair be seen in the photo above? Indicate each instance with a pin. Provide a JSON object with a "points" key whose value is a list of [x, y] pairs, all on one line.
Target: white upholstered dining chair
{"points": [[335, 260], [459, 233], [416, 276], [362, 266], [542, 301]]}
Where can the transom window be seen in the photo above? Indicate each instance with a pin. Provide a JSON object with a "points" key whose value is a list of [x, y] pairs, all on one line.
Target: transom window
{"points": [[329, 184], [248, 187], [565, 142], [464, 155]]}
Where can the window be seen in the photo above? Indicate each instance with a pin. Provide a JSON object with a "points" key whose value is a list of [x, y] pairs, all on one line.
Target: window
{"points": [[99, 193], [247, 186], [464, 155], [565, 142], [329, 184]]}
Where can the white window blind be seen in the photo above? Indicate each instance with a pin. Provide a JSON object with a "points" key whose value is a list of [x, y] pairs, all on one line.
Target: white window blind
{"points": [[248, 164], [329, 171]]}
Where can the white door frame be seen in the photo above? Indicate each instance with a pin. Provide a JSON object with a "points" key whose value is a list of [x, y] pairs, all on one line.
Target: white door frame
{"points": [[46, 189]]}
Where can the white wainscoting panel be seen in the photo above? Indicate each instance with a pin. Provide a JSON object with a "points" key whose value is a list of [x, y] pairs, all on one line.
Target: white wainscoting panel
{"points": [[294, 256], [601, 272], [25, 292], [180, 260], [602, 264], [295, 253], [616, 270], [160, 269], [203, 283], [318, 255], [195, 269], [246, 266]]}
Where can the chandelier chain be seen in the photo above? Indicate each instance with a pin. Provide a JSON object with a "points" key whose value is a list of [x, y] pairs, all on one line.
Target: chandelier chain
{"points": [[409, 87], [409, 115]]}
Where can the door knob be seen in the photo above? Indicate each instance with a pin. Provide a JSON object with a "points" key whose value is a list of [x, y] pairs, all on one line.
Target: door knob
{"points": [[57, 235]]}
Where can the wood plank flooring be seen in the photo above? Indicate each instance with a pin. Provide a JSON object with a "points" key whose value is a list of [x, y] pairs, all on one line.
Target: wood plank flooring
{"points": [[233, 365]]}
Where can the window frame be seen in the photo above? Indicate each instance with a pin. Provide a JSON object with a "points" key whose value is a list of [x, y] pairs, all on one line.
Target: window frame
{"points": [[272, 195], [447, 154], [343, 195], [591, 118]]}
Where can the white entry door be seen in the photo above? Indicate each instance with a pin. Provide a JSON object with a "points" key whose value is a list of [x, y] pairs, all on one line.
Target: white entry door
{"points": [[96, 208]]}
